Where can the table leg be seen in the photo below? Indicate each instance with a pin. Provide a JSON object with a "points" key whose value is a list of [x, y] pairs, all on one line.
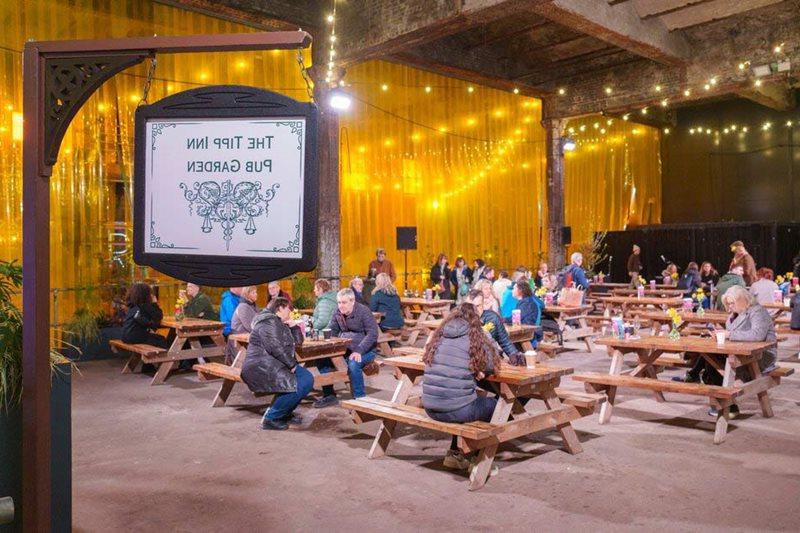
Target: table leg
{"points": [[763, 396], [721, 428], [608, 406], [165, 367], [483, 467], [195, 344], [571, 442], [133, 364], [223, 393], [386, 429]]}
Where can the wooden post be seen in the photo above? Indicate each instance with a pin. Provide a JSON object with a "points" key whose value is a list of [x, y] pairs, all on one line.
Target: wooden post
{"points": [[554, 129]]}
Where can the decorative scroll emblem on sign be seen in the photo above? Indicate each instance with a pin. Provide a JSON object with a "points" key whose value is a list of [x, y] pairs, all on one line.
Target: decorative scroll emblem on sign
{"points": [[228, 205]]}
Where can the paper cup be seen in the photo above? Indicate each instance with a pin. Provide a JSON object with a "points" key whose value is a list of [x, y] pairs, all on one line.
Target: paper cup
{"points": [[652, 284], [327, 333], [777, 296], [720, 338], [787, 302], [530, 358], [516, 317]]}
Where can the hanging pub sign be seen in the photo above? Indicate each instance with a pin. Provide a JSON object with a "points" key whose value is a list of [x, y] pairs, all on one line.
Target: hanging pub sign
{"points": [[225, 186]]}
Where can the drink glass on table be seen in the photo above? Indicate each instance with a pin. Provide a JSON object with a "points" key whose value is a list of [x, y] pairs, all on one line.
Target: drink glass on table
{"points": [[327, 333], [516, 317], [777, 295], [720, 334], [530, 358], [652, 284]]}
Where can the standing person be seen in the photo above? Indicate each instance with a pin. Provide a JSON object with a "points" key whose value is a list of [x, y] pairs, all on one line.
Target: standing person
{"points": [[274, 291], [227, 306], [271, 366], [731, 279], [478, 266], [635, 265], [573, 275], [242, 320], [488, 273], [763, 290], [199, 304], [325, 306], [497, 330], [385, 300], [690, 281], [353, 321], [541, 274], [461, 279], [741, 257], [143, 317], [440, 275], [357, 286], [458, 356], [500, 285], [381, 265]]}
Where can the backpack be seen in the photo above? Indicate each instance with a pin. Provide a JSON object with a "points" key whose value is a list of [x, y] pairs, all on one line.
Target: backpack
{"points": [[564, 278]]}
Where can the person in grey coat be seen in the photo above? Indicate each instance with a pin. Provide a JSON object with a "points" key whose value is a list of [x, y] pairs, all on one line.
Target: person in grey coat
{"points": [[459, 354], [748, 322], [271, 366], [242, 319]]}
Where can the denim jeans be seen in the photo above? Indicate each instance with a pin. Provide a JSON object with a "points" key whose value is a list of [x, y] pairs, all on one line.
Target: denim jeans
{"points": [[481, 409], [354, 370], [286, 402]]}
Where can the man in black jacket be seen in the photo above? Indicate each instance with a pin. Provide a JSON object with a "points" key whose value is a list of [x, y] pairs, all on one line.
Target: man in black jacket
{"points": [[353, 321], [497, 330]]}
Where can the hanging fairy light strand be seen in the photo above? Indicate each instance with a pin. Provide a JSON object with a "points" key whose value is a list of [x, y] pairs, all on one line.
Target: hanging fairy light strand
{"points": [[331, 20]]}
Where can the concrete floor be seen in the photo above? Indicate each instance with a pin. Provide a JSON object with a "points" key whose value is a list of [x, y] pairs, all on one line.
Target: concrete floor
{"points": [[161, 459]]}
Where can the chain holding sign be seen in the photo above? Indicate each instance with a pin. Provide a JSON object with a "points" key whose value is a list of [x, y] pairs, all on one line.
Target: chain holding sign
{"points": [[225, 186]]}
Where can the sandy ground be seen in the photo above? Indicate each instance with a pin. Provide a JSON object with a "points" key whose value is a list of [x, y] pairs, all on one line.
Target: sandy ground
{"points": [[161, 459]]}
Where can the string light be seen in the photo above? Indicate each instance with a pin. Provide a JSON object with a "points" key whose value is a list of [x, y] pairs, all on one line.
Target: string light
{"points": [[664, 102], [666, 131], [778, 48], [757, 83], [788, 123], [658, 88], [644, 111], [744, 129], [384, 87], [608, 90], [626, 116], [562, 91], [428, 89], [766, 126], [687, 92], [470, 89], [516, 90]]}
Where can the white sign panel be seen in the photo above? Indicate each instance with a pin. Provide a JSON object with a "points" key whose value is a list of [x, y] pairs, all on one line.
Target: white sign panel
{"points": [[225, 187]]}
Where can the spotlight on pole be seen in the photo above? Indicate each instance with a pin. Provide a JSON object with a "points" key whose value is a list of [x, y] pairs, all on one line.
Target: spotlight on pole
{"points": [[567, 144], [340, 100]]}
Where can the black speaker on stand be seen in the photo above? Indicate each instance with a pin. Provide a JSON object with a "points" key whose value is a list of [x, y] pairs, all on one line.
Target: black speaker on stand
{"points": [[406, 240]]}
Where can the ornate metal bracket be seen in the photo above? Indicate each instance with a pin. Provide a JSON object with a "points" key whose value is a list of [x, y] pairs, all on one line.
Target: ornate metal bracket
{"points": [[68, 82]]}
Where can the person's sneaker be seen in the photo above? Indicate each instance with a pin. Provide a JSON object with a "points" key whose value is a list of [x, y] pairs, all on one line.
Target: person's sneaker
{"points": [[326, 401], [455, 460], [688, 378], [293, 420], [734, 411], [274, 424], [713, 412]]}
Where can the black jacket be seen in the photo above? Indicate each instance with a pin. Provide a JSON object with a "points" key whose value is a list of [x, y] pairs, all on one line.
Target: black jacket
{"points": [[139, 321], [270, 356], [359, 326], [795, 304], [690, 281], [499, 333], [441, 276], [389, 305], [448, 383]]}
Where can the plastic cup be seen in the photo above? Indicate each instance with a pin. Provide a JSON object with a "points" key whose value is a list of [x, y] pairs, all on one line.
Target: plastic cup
{"points": [[516, 317], [687, 304], [327, 333], [652, 284], [530, 358], [777, 295], [787, 302], [720, 338], [640, 292]]}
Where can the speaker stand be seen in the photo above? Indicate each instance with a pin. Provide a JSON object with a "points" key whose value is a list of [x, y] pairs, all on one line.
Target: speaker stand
{"points": [[405, 273]]}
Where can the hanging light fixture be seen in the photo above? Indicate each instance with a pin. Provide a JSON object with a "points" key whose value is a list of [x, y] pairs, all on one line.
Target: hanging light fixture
{"points": [[340, 100]]}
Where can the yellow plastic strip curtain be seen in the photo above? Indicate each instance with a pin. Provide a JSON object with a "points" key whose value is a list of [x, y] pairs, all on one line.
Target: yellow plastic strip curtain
{"points": [[461, 162], [613, 178], [91, 183]]}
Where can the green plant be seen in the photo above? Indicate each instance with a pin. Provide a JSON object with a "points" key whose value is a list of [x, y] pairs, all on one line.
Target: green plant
{"points": [[593, 251], [11, 337], [302, 292], [83, 327]]}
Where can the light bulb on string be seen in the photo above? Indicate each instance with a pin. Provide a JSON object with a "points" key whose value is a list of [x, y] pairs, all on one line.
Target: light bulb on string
{"points": [[757, 83], [516, 90], [687, 92], [562, 91]]}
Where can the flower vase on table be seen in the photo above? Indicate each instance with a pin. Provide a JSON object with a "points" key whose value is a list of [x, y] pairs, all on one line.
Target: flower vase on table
{"points": [[674, 334], [180, 303]]}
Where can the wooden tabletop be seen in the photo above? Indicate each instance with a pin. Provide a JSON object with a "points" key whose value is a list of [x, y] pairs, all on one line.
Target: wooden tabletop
{"points": [[426, 303], [713, 317], [309, 349], [512, 375], [649, 292], [518, 328], [686, 344], [567, 310], [633, 300], [190, 324], [777, 305], [624, 285]]}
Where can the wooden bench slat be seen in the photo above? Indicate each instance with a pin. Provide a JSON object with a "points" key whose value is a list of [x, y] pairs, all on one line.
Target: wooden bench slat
{"points": [[146, 350], [672, 361], [219, 370], [698, 389], [415, 416], [585, 400], [781, 372]]}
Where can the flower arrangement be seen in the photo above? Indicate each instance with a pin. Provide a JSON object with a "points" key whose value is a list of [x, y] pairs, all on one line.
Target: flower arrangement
{"points": [[295, 315], [699, 296], [789, 276], [180, 303], [677, 320], [642, 281], [674, 275], [540, 292], [779, 280]]}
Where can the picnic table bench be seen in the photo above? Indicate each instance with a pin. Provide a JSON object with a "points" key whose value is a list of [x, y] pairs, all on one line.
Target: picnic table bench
{"points": [[521, 334], [573, 323], [425, 309], [649, 351], [669, 293], [627, 303], [510, 420], [333, 348], [187, 331]]}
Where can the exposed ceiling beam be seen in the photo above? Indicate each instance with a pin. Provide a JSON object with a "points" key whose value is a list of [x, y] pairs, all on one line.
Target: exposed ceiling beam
{"points": [[777, 96], [619, 25], [510, 35], [708, 11], [649, 8], [375, 28], [232, 13]]}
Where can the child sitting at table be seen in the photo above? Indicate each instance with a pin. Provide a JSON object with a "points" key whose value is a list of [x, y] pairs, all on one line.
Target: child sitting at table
{"points": [[458, 355]]}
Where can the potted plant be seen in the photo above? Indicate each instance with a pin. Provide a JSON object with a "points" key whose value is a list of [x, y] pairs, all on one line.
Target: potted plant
{"points": [[11, 413]]}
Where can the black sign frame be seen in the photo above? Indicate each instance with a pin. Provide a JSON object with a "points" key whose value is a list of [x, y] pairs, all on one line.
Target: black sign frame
{"points": [[228, 101]]}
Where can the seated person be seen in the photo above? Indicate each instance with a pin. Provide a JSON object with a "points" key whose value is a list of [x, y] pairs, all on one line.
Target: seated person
{"points": [[530, 307], [764, 289], [199, 304], [271, 367], [357, 286], [242, 318], [385, 300], [274, 291], [497, 330], [690, 281], [507, 300], [325, 306], [669, 276], [227, 306], [731, 279], [748, 322], [489, 301], [143, 317], [353, 321], [794, 322], [458, 355]]}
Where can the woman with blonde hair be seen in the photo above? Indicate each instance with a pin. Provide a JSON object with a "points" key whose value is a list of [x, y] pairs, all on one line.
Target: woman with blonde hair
{"points": [[385, 300], [489, 301]]}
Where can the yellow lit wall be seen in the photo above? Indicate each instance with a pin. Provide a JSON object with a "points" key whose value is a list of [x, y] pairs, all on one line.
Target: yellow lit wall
{"points": [[463, 163], [613, 178]]}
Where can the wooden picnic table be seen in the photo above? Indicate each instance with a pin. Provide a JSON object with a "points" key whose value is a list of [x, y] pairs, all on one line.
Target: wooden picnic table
{"points": [[511, 383], [425, 308], [517, 333], [627, 302], [567, 316], [601, 288], [649, 350], [310, 351], [660, 319], [669, 293]]}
